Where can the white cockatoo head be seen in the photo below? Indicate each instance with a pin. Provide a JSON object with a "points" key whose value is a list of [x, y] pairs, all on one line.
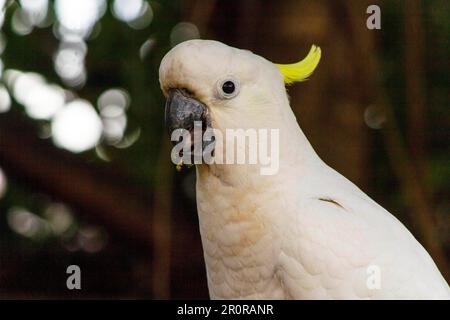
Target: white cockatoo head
{"points": [[227, 88]]}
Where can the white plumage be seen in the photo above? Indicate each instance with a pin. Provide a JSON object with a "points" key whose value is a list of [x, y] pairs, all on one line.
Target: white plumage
{"points": [[304, 233]]}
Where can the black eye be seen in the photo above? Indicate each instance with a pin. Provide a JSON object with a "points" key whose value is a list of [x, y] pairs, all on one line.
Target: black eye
{"points": [[228, 87]]}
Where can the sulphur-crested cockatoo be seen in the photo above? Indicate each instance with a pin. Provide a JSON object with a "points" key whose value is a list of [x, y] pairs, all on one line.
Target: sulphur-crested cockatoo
{"points": [[303, 231]]}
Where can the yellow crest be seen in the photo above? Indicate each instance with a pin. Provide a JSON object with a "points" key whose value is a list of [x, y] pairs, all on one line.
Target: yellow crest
{"points": [[301, 70]]}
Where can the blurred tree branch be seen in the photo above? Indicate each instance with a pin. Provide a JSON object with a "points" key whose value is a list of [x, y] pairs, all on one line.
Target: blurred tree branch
{"points": [[414, 80], [162, 224], [100, 192]]}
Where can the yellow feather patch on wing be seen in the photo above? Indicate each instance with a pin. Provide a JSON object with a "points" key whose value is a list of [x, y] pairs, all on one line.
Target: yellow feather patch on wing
{"points": [[301, 70]]}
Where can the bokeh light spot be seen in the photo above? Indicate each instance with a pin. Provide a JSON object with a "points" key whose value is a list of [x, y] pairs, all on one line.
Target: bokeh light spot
{"points": [[146, 47], [5, 100], [59, 217], [183, 31], [40, 99], [374, 117], [116, 97], [3, 183], [77, 127], [35, 10], [78, 17], [92, 239], [128, 10], [144, 19], [20, 22], [69, 63], [26, 223], [112, 104]]}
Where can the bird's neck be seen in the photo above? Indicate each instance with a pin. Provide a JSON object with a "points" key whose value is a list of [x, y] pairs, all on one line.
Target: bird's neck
{"points": [[285, 147], [235, 222]]}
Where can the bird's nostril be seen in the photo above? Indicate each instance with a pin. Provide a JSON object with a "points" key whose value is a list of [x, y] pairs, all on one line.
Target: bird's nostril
{"points": [[187, 92]]}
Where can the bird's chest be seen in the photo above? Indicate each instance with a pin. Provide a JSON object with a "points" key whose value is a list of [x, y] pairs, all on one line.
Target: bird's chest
{"points": [[239, 245]]}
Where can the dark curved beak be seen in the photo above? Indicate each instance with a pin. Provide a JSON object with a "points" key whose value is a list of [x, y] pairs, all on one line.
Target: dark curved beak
{"points": [[182, 110]]}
